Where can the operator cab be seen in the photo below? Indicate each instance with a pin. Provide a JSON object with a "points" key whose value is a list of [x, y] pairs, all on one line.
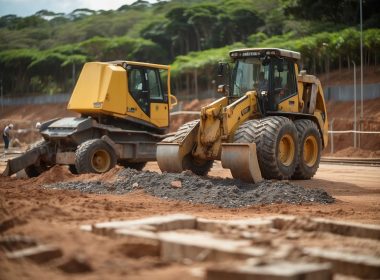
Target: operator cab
{"points": [[147, 85], [269, 72]]}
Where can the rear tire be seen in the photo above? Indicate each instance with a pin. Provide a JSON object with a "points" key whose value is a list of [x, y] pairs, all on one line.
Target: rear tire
{"points": [[94, 156], [310, 143], [182, 131], [36, 170], [197, 166], [73, 169], [276, 145]]}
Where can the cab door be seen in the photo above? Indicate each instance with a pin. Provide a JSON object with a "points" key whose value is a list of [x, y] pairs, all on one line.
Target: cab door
{"points": [[159, 107], [283, 87]]}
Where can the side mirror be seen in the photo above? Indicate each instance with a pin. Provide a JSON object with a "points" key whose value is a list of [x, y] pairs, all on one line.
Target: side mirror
{"points": [[280, 67], [266, 61], [220, 70], [224, 72]]}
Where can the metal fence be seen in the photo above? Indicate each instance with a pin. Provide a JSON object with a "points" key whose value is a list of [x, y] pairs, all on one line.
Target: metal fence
{"points": [[39, 99], [346, 93]]}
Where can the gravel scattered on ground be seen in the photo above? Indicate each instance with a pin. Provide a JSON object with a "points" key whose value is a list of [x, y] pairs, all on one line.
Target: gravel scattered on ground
{"points": [[186, 186]]}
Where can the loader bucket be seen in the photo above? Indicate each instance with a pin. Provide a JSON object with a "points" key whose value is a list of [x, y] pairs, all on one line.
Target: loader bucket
{"points": [[16, 164], [241, 159], [170, 157]]}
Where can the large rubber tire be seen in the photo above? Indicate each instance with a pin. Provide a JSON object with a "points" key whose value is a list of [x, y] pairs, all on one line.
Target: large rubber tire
{"points": [[276, 145], [310, 148], [73, 169], [133, 165], [36, 169], [182, 131], [94, 156], [197, 166]]}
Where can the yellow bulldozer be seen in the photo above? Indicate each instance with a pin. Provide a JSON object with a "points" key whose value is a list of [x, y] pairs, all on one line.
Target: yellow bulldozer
{"points": [[124, 109], [271, 124]]}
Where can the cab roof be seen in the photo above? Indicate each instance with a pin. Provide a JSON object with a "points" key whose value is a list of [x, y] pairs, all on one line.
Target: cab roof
{"points": [[261, 52], [137, 63]]}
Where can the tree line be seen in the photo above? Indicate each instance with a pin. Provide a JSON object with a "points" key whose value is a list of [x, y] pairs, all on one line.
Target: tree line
{"points": [[45, 52], [320, 53]]}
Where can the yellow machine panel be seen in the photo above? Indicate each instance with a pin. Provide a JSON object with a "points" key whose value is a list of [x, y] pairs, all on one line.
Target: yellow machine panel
{"points": [[101, 88], [126, 89], [159, 113]]}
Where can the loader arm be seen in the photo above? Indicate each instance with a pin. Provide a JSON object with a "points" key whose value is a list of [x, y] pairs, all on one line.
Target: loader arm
{"points": [[212, 139], [219, 121]]}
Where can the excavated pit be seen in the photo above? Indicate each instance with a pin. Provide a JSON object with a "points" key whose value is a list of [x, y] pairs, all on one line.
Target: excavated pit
{"points": [[186, 186]]}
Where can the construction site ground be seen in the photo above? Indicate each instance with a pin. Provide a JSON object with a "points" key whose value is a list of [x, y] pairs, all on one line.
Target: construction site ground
{"points": [[35, 211], [29, 208]]}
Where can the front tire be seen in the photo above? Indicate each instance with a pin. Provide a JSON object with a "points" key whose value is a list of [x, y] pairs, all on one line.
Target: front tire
{"points": [[276, 145], [35, 170], [197, 166], [94, 156], [39, 167], [73, 169], [310, 142]]}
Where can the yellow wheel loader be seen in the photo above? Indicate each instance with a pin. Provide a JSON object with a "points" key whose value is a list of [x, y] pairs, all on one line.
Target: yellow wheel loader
{"points": [[124, 111], [271, 124]]}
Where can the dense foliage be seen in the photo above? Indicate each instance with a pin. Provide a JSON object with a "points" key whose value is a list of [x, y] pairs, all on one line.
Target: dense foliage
{"points": [[45, 52]]}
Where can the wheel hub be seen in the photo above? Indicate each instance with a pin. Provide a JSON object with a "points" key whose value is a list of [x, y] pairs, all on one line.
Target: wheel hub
{"points": [[286, 151], [101, 161], [310, 151]]}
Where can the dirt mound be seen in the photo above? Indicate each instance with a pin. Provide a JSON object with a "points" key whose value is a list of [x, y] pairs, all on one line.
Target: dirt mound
{"points": [[34, 113], [55, 174], [357, 153], [186, 186], [346, 76], [25, 117], [341, 116], [109, 176]]}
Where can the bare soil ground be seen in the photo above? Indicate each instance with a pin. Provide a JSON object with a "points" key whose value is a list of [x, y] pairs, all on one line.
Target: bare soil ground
{"points": [[346, 76], [53, 216]]}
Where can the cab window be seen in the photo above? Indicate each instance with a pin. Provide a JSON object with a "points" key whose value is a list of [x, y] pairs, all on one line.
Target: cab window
{"points": [[154, 85], [137, 87], [284, 80], [135, 81], [164, 83]]}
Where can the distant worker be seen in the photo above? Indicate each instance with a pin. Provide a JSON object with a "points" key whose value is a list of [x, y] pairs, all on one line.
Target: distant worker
{"points": [[6, 135]]}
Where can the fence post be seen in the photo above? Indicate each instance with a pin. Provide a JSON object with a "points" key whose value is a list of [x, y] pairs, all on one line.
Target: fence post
{"points": [[353, 62], [2, 96], [332, 136]]}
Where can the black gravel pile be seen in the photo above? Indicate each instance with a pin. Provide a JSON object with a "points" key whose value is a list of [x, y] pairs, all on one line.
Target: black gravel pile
{"points": [[186, 186]]}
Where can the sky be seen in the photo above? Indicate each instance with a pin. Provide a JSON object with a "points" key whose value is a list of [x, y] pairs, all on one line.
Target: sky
{"points": [[30, 7]]}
